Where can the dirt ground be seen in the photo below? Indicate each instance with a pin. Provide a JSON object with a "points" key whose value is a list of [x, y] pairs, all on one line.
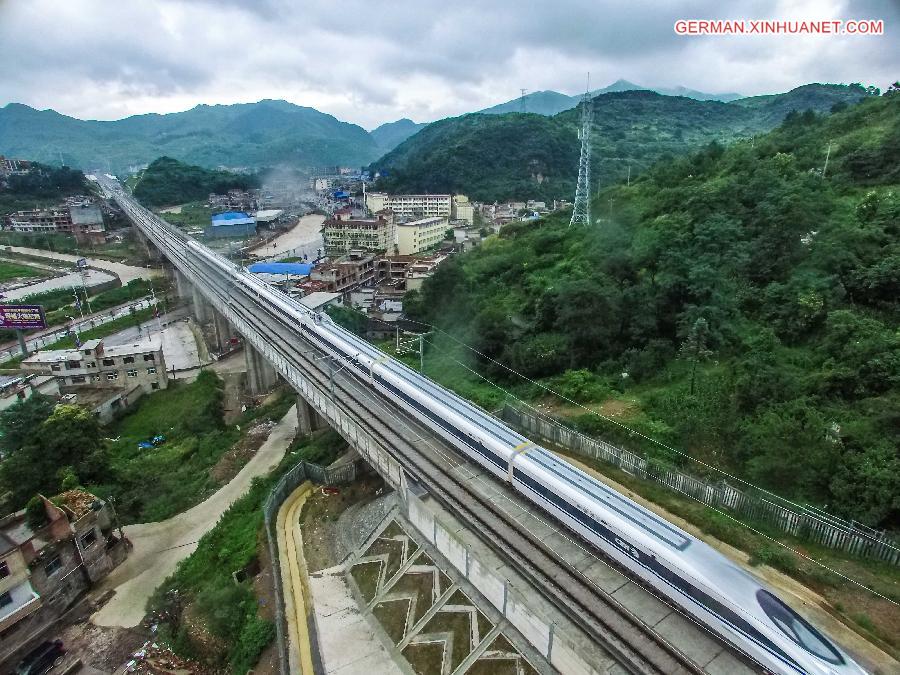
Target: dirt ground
{"points": [[233, 461], [104, 649], [323, 545]]}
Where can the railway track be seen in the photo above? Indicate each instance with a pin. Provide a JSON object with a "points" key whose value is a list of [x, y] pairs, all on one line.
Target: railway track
{"points": [[631, 642]]}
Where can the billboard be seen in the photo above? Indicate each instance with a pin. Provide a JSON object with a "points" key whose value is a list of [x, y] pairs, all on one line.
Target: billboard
{"points": [[22, 316]]}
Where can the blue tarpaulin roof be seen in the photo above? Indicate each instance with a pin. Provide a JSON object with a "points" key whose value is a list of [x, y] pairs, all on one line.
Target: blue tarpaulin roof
{"points": [[299, 269], [340, 194], [232, 218]]}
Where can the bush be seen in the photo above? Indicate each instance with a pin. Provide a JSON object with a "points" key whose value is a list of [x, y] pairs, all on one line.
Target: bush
{"points": [[775, 556], [581, 386], [35, 513], [254, 637]]}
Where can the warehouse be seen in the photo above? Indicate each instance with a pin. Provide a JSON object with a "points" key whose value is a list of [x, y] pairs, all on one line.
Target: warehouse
{"points": [[232, 224]]}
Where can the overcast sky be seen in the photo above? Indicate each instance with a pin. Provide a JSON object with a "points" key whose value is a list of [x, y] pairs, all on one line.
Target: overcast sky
{"points": [[372, 61]]}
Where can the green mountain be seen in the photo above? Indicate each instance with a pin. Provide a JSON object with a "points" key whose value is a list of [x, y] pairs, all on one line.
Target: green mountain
{"points": [[549, 102], [496, 157], [546, 102], [750, 298], [250, 135], [391, 134], [167, 181]]}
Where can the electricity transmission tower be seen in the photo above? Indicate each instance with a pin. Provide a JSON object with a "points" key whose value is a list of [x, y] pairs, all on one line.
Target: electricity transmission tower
{"points": [[581, 214]]}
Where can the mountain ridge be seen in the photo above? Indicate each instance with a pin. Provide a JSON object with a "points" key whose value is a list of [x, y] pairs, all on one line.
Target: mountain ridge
{"points": [[514, 156]]}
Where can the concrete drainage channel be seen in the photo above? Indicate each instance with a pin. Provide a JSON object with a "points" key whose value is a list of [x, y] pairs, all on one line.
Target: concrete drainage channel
{"points": [[431, 619]]}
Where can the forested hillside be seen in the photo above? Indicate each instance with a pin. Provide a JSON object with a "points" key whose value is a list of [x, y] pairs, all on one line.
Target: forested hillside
{"points": [[40, 185], [738, 304], [167, 181], [252, 135], [497, 157]]}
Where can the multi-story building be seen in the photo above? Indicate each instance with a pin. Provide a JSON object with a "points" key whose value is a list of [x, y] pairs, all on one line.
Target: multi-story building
{"points": [[462, 209], [103, 379], [18, 599], [10, 165], [85, 221], [410, 206], [345, 274], [343, 233], [41, 220], [420, 235], [47, 560]]}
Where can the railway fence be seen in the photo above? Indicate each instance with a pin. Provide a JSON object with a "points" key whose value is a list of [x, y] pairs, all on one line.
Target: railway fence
{"points": [[806, 522]]}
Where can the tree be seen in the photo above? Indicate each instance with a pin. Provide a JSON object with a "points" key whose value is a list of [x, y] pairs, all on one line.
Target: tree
{"points": [[695, 348], [19, 422], [68, 439]]}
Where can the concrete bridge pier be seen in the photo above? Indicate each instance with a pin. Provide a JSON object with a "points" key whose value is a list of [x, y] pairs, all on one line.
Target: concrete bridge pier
{"points": [[182, 285], [201, 306], [224, 332], [261, 376], [308, 418]]}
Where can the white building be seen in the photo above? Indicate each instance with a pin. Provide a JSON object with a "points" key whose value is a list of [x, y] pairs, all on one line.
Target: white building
{"points": [[343, 233], [421, 235], [410, 206], [462, 209]]}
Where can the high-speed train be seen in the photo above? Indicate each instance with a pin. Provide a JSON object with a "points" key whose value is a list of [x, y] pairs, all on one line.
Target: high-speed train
{"points": [[685, 570]]}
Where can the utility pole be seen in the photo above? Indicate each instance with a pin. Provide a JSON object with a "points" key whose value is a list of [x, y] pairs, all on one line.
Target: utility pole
{"points": [[827, 155], [628, 184], [522, 103]]}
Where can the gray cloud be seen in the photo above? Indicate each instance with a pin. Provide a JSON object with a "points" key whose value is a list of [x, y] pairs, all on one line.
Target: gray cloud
{"points": [[369, 62]]}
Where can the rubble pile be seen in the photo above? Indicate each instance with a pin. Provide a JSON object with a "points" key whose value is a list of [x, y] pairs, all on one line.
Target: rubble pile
{"points": [[262, 429], [156, 659]]}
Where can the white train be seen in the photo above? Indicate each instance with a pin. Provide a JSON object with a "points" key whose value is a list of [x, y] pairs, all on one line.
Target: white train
{"points": [[683, 569]]}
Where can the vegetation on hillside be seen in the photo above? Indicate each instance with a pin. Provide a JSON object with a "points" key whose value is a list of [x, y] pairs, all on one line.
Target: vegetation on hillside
{"points": [[167, 181], [44, 445], [518, 156], [39, 186], [746, 304], [204, 583], [262, 134]]}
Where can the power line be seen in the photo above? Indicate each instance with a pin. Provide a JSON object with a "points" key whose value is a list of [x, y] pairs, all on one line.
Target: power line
{"points": [[631, 431], [686, 494]]}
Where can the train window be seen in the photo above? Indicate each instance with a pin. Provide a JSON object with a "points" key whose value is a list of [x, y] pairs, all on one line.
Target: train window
{"points": [[797, 628]]}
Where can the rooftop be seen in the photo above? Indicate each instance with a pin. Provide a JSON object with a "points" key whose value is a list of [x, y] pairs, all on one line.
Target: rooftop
{"points": [[78, 502], [297, 269], [315, 301], [152, 344]]}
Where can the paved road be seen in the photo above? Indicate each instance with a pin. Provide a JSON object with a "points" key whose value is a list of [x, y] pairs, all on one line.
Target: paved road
{"points": [[126, 272], [97, 319], [159, 547], [73, 280], [304, 237]]}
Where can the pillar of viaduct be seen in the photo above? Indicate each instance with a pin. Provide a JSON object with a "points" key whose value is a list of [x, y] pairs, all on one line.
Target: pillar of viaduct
{"points": [[261, 376], [308, 418]]}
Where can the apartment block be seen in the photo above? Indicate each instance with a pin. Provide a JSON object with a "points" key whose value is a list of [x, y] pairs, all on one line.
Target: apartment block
{"points": [[410, 206], [343, 233], [420, 235]]}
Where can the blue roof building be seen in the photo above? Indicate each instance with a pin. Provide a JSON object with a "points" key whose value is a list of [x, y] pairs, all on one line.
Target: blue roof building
{"points": [[295, 269], [232, 224]]}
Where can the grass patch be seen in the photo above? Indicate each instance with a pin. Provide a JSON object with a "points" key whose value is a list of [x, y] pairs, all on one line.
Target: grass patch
{"points": [[190, 417], [11, 270], [227, 609]]}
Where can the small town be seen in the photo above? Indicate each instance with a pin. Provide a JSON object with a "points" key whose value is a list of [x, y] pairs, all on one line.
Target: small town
{"points": [[453, 340]]}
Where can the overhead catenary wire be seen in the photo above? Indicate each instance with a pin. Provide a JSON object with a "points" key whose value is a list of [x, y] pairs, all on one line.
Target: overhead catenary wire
{"points": [[631, 431], [686, 494]]}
